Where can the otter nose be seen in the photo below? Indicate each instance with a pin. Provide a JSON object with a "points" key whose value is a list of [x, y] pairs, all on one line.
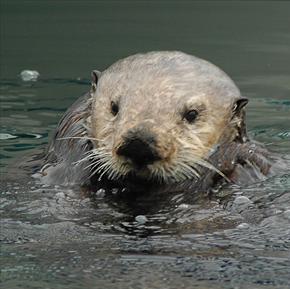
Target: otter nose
{"points": [[140, 151]]}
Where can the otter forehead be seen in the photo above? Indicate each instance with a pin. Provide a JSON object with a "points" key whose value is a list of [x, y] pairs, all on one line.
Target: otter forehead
{"points": [[168, 76]]}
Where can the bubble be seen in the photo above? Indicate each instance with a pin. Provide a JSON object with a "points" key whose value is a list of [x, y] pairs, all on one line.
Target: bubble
{"points": [[241, 203], [241, 200], [29, 75], [141, 219]]}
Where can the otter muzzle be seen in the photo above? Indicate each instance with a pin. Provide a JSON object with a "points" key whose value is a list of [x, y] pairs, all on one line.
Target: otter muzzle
{"points": [[140, 151]]}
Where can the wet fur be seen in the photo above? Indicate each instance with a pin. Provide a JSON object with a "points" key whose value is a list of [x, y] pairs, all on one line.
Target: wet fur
{"points": [[243, 161], [70, 160]]}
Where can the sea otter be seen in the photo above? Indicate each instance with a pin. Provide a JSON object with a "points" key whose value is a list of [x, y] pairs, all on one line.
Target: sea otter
{"points": [[160, 119]]}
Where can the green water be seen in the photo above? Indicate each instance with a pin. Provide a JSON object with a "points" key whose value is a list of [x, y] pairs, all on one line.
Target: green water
{"points": [[56, 239]]}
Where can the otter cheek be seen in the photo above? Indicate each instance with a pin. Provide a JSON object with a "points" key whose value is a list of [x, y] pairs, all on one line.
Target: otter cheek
{"points": [[167, 150]]}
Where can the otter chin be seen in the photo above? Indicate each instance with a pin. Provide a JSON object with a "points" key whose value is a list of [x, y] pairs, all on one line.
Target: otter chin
{"points": [[165, 119]]}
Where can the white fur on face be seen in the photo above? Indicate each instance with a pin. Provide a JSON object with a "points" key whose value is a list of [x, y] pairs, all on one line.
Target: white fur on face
{"points": [[153, 90]]}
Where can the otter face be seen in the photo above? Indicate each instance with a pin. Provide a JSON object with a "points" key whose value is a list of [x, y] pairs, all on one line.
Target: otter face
{"points": [[159, 116]]}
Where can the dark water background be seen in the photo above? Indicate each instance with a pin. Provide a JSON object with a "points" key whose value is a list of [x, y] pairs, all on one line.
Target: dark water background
{"points": [[54, 237]]}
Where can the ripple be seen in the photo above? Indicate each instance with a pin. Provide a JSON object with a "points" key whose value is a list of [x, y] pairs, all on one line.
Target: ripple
{"points": [[284, 134], [285, 102], [7, 136], [4, 136]]}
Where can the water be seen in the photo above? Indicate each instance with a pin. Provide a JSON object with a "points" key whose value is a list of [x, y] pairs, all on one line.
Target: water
{"points": [[58, 237]]}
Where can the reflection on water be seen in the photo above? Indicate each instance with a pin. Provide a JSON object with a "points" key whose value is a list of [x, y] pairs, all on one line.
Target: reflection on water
{"points": [[59, 237]]}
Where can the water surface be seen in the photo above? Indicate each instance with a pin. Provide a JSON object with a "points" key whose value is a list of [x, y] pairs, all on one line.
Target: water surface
{"points": [[57, 237]]}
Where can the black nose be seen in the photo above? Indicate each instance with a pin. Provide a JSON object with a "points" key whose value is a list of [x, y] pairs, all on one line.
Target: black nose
{"points": [[141, 152]]}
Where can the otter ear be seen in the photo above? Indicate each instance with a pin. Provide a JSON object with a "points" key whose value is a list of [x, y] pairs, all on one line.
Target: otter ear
{"points": [[95, 77], [239, 105]]}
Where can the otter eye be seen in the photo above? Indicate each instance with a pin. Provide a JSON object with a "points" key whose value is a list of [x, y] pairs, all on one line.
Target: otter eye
{"points": [[190, 115], [114, 108]]}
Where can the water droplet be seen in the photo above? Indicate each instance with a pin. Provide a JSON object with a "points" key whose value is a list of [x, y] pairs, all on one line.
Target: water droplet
{"points": [[183, 206], [243, 226], [100, 193], [115, 191]]}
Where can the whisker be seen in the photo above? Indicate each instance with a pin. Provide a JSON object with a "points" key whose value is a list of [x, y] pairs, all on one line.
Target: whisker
{"points": [[207, 165], [190, 169], [213, 168], [107, 167], [96, 162], [77, 137], [113, 174], [83, 159]]}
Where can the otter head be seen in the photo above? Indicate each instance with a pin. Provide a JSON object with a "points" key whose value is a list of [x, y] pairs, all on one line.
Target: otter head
{"points": [[159, 116]]}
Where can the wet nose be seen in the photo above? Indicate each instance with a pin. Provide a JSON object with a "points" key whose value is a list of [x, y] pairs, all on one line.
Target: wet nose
{"points": [[140, 151]]}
